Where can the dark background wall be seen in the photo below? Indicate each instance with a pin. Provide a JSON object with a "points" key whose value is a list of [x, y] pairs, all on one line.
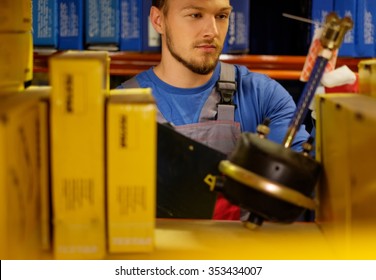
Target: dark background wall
{"points": [[273, 34]]}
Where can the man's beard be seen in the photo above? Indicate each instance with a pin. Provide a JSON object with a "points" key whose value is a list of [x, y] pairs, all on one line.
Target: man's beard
{"points": [[203, 68]]}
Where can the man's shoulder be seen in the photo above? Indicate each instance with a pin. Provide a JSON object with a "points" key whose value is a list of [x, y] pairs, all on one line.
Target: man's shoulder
{"points": [[243, 74], [137, 80], [257, 84], [130, 83]]}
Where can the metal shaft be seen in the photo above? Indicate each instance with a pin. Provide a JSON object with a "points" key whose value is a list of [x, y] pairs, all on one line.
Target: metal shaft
{"points": [[305, 100], [332, 36]]}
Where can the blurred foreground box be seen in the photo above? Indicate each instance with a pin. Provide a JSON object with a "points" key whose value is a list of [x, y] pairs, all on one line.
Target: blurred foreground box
{"points": [[347, 192]]}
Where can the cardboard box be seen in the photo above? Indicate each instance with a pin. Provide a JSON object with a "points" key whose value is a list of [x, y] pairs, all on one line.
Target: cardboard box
{"points": [[102, 24], [29, 71], [347, 8], [71, 25], [131, 170], [346, 193], [367, 77], [45, 24], [15, 16], [16, 56], [44, 163], [151, 39], [20, 193], [79, 85], [365, 28], [131, 25], [237, 40], [320, 9]]}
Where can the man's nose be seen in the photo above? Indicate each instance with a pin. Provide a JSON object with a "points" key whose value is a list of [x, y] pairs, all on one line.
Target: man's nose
{"points": [[210, 27]]}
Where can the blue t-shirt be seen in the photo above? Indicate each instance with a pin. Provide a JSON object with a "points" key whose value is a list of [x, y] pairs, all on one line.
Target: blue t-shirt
{"points": [[257, 97]]}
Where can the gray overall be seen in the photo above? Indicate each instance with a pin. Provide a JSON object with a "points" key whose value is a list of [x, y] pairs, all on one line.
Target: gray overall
{"points": [[216, 127]]}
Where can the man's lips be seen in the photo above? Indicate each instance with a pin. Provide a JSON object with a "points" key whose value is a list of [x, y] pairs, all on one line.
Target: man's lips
{"points": [[207, 47]]}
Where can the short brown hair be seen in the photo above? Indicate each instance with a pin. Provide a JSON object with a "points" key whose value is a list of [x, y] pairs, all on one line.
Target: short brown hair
{"points": [[161, 5], [158, 3]]}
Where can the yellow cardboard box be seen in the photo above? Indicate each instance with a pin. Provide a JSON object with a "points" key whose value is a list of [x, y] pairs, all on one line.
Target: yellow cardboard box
{"points": [[20, 213], [15, 16], [79, 85], [44, 162], [131, 170], [345, 138], [367, 77], [16, 57]]}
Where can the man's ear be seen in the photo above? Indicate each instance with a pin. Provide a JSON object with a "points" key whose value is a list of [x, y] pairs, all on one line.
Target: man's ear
{"points": [[156, 19]]}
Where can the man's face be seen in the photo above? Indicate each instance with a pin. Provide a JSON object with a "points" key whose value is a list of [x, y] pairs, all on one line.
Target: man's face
{"points": [[195, 31]]}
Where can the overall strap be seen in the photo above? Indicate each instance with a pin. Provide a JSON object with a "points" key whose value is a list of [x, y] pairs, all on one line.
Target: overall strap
{"points": [[131, 83], [226, 86]]}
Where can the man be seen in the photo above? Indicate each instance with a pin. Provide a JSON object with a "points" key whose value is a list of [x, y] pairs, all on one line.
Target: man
{"points": [[184, 83]]}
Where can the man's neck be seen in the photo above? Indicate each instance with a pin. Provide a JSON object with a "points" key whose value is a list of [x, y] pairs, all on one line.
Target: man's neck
{"points": [[176, 74]]}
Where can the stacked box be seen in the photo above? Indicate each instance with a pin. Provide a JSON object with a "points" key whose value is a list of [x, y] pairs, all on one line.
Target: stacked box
{"points": [[15, 15], [131, 170], [20, 176], [365, 28], [16, 57], [45, 24], [16, 45], [130, 25], [367, 77], [151, 39], [29, 70], [347, 8], [44, 163], [320, 9], [237, 40], [345, 137], [71, 25], [102, 24], [360, 40], [79, 81], [136, 32]]}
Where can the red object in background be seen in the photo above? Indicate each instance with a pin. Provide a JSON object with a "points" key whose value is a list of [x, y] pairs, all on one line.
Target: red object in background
{"points": [[346, 88], [224, 210], [313, 52]]}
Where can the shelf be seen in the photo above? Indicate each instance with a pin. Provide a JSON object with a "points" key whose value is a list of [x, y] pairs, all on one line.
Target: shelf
{"points": [[277, 67], [229, 240], [187, 239]]}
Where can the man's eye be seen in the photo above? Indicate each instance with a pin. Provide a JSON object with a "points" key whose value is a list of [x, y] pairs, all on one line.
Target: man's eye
{"points": [[223, 16], [195, 15]]}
